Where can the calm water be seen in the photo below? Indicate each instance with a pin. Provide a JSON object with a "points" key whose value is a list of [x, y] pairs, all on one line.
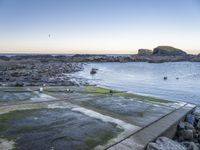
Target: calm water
{"points": [[147, 79]]}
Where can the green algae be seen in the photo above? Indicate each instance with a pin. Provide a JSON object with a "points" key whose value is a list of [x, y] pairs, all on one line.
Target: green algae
{"points": [[140, 97], [58, 88], [101, 90], [104, 137], [16, 114], [14, 89], [14, 124]]}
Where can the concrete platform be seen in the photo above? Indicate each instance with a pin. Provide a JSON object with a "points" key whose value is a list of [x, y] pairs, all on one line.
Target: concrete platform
{"points": [[84, 118], [165, 126]]}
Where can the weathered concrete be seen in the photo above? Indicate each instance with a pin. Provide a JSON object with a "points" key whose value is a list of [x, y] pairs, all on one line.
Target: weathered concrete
{"points": [[132, 120], [165, 126]]}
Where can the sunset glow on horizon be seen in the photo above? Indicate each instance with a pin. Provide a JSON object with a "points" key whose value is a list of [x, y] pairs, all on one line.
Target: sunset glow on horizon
{"points": [[98, 26]]}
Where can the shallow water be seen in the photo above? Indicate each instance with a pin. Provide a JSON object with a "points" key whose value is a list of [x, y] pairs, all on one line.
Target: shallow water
{"points": [[147, 78]]}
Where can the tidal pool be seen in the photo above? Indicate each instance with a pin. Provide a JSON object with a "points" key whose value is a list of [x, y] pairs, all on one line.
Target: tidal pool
{"points": [[58, 129]]}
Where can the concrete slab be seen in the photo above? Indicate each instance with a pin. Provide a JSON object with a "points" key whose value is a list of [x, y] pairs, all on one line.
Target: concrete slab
{"points": [[129, 117], [165, 126]]}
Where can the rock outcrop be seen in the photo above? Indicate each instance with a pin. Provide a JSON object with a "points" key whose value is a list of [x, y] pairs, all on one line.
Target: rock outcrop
{"points": [[168, 51], [145, 52]]}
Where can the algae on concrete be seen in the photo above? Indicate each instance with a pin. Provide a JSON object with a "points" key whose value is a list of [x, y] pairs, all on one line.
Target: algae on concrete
{"points": [[60, 128], [101, 90]]}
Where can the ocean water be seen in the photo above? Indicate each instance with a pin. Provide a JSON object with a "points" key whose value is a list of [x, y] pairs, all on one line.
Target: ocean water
{"points": [[147, 79]]}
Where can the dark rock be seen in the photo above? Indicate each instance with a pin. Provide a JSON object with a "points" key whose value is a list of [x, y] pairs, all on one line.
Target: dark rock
{"points": [[189, 126], [190, 119], [197, 116], [198, 125], [93, 71], [163, 143], [19, 84], [181, 126], [185, 135], [165, 78], [185, 125], [190, 145], [145, 52], [168, 51]]}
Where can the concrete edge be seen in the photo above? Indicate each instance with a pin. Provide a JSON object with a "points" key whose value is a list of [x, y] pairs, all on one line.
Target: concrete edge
{"points": [[166, 126]]}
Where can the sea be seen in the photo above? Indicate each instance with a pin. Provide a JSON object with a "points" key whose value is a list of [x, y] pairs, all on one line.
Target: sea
{"points": [[182, 83]]}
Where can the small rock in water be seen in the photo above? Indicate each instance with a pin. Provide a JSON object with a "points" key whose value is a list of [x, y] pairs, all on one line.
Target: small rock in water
{"points": [[165, 78], [163, 143], [93, 71]]}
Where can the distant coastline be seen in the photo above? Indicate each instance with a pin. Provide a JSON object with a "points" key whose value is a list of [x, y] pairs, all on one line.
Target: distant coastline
{"points": [[157, 55]]}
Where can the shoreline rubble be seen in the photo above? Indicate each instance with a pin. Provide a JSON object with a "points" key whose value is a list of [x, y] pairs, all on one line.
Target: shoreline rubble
{"points": [[187, 136]]}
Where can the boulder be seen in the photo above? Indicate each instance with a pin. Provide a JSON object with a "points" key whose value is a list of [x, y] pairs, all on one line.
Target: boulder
{"points": [[163, 143], [181, 125], [198, 125], [190, 118], [185, 125], [19, 84], [190, 145], [168, 51], [197, 116], [145, 52], [185, 135]]}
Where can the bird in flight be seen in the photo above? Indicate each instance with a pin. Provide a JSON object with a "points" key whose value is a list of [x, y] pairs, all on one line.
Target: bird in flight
{"points": [[49, 35]]}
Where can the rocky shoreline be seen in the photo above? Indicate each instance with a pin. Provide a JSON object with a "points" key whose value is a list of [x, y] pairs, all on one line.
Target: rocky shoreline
{"points": [[187, 136], [36, 73]]}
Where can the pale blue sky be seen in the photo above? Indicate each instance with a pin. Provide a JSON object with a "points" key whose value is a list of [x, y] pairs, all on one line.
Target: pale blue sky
{"points": [[98, 26]]}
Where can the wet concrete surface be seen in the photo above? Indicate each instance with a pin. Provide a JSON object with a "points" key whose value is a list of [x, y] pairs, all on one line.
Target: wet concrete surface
{"points": [[73, 117], [131, 111], [60, 129]]}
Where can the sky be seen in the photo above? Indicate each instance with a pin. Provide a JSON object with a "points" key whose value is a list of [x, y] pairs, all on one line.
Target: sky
{"points": [[98, 26]]}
